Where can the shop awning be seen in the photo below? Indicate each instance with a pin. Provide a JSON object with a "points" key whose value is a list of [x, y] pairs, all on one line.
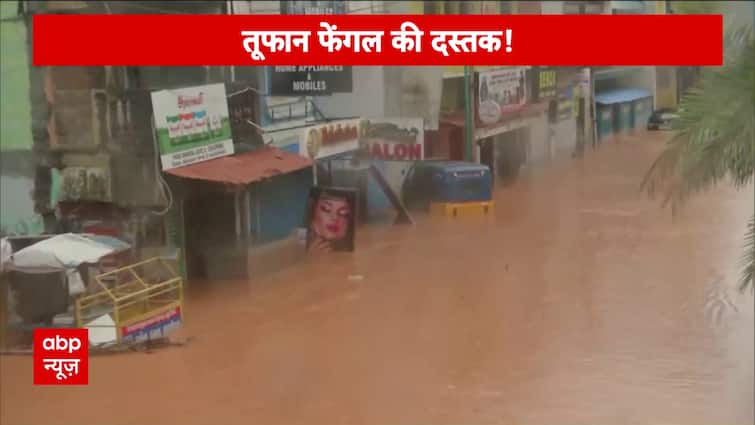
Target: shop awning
{"points": [[65, 251], [244, 168], [621, 96]]}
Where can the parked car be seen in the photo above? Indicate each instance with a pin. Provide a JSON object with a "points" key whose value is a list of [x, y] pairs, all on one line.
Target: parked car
{"points": [[446, 181], [662, 119]]}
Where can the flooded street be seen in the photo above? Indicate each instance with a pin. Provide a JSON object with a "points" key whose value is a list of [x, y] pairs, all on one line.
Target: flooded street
{"points": [[580, 302]]}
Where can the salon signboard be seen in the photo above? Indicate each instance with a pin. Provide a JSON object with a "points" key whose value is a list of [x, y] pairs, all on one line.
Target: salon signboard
{"points": [[394, 139]]}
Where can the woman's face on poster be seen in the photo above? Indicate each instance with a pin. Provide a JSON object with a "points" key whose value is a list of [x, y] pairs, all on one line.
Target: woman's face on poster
{"points": [[331, 217]]}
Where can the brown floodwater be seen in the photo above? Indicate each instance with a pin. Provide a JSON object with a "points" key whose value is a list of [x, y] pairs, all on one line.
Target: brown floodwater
{"points": [[581, 302]]}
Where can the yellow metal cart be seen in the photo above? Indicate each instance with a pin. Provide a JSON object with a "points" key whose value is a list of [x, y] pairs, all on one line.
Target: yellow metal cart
{"points": [[144, 301]]}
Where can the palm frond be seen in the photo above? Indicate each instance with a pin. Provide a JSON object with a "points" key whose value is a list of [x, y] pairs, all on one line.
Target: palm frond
{"points": [[748, 259], [716, 129]]}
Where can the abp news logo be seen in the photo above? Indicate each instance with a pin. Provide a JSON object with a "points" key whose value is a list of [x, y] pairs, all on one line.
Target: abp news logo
{"points": [[61, 357]]}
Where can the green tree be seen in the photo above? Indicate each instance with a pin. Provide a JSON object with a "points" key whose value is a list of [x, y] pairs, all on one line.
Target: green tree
{"points": [[714, 141], [688, 7]]}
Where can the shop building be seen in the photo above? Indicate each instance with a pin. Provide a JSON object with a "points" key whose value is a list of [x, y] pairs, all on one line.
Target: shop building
{"points": [[239, 213]]}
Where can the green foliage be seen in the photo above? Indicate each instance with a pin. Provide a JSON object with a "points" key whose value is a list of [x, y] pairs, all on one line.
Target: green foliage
{"points": [[715, 133], [696, 7]]}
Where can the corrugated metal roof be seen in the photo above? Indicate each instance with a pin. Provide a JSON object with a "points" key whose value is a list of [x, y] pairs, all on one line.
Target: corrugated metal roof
{"points": [[244, 168], [622, 95]]}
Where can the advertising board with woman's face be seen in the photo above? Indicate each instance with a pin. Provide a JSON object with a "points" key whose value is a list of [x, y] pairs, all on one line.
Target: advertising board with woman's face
{"points": [[331, 219]]}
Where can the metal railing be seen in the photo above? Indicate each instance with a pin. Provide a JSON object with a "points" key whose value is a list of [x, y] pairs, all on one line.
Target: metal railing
{"points": [[129, 294], [297, 109]]}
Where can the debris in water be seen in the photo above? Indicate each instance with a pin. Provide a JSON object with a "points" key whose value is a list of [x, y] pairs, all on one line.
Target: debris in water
{"points": [[356, 277]]}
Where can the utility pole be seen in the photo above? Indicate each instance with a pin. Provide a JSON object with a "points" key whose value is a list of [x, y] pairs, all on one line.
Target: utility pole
{"points": [[467, 114]]}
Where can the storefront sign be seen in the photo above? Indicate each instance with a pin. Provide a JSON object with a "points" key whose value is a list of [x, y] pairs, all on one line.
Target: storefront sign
{"points": [[157, 326], [309, 7], [192, 125], [330, 139], [394, 139], [546, 84], [499, 92], [85, 184], [309, 80]]}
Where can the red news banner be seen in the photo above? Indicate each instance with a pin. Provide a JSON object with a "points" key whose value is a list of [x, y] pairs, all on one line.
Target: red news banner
{"points": [[565, 40]]}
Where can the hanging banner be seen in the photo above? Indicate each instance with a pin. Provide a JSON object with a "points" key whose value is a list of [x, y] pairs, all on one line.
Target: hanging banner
{"points": [[192, 125], [546, 84], [394, 139], [499, 92]]}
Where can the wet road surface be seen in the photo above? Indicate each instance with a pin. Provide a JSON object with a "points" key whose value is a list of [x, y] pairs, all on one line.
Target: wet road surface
{"points": [[582, 302]]}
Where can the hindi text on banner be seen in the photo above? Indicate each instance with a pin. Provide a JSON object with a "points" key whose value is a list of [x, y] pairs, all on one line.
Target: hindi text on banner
{"points": [[274, 41], [466, 41], [408, 39], [333, 40]]}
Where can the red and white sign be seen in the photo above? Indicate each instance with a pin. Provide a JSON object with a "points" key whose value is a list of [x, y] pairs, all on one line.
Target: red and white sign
{"points": [[154, 327], [342, 40], [61, 357], [333, 138]]}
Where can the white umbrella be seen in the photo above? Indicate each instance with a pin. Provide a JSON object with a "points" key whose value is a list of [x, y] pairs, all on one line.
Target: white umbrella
{"points": [[64, 252]]}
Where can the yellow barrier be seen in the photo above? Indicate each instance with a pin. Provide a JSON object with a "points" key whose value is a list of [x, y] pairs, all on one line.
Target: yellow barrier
{"points": [[134, 300], [459, 209]]}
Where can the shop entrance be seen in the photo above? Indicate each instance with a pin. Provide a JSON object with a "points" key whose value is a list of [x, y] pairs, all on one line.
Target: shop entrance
{"points": [[510, 153], [209, 228], [487, 155]]}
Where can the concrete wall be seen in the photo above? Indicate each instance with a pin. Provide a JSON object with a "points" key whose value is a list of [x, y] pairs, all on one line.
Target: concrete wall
{"points": [[15, 107], [396, 92], [17, 215], [278, 206], [366, 99], [539, 145]]}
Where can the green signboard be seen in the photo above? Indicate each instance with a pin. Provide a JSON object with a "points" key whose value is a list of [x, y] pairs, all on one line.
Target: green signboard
{"points": [[192, 125]]}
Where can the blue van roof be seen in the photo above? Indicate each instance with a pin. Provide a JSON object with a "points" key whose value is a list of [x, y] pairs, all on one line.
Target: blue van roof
{"points": [[455, 165]]}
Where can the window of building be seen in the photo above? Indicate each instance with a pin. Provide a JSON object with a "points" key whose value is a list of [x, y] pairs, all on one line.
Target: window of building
{"points": [[590, 7]]}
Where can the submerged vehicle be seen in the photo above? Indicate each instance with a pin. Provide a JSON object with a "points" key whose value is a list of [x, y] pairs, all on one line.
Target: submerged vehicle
{"points": [[451, 184], [662, 119]]}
